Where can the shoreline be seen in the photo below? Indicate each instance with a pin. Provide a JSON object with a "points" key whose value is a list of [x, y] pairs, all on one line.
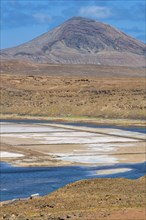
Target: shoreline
{"points": [[87, 202], [35, 141], [11, 201], [99, 121], [105, 172]]}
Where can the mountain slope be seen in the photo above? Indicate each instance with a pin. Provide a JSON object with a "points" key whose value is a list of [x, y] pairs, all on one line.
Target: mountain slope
{"points": [[83, 41]]}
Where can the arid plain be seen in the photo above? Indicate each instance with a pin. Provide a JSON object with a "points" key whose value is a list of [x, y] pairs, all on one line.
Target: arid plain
{"points": [[112, 95], [72, 90]]}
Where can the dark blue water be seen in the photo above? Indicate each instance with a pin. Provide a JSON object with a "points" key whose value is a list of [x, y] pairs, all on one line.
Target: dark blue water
{"points": [[92, 125], [18, 182], [126, 128]]}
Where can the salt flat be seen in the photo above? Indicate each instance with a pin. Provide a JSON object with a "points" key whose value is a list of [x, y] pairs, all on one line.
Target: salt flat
{"points": [[8, 154], [70, 144]]}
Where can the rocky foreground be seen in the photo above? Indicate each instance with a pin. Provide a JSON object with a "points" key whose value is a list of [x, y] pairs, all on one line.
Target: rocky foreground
{"points": [[96, 199]]}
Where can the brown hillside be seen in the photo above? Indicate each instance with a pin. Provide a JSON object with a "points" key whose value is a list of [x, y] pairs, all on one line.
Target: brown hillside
{"points": [[96, 199]]}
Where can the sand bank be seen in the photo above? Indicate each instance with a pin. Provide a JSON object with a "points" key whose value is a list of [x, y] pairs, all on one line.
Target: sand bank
{"points": [[112, 171]]}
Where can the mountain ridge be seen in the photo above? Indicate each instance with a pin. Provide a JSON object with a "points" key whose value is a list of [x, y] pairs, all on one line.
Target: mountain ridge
{"points": [[81, 41]]}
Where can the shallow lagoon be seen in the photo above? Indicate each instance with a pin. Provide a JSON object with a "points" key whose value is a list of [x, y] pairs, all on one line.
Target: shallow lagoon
{"points": [[21, 182]]}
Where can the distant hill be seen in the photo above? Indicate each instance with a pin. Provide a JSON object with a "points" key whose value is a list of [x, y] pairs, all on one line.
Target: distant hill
{"points": [[81, 41]]}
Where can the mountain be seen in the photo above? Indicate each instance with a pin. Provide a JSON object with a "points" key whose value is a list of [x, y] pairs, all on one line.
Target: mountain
{"points": [[81, 41]]}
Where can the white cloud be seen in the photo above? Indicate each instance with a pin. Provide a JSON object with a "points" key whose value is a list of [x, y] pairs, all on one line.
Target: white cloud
{"points": [[42, 18], [95, 12]]}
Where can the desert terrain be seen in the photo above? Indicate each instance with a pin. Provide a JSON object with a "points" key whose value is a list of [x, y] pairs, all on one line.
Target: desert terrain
{"points": [[70, 90], [82, 93]]}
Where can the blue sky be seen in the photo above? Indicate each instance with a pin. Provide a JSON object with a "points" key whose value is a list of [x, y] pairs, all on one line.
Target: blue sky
{"points": [[23, 20]]}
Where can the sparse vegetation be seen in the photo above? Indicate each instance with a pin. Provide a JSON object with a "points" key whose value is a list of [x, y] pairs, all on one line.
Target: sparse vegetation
{"points": [[70, 95], [73, 96], [95, 199]]}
